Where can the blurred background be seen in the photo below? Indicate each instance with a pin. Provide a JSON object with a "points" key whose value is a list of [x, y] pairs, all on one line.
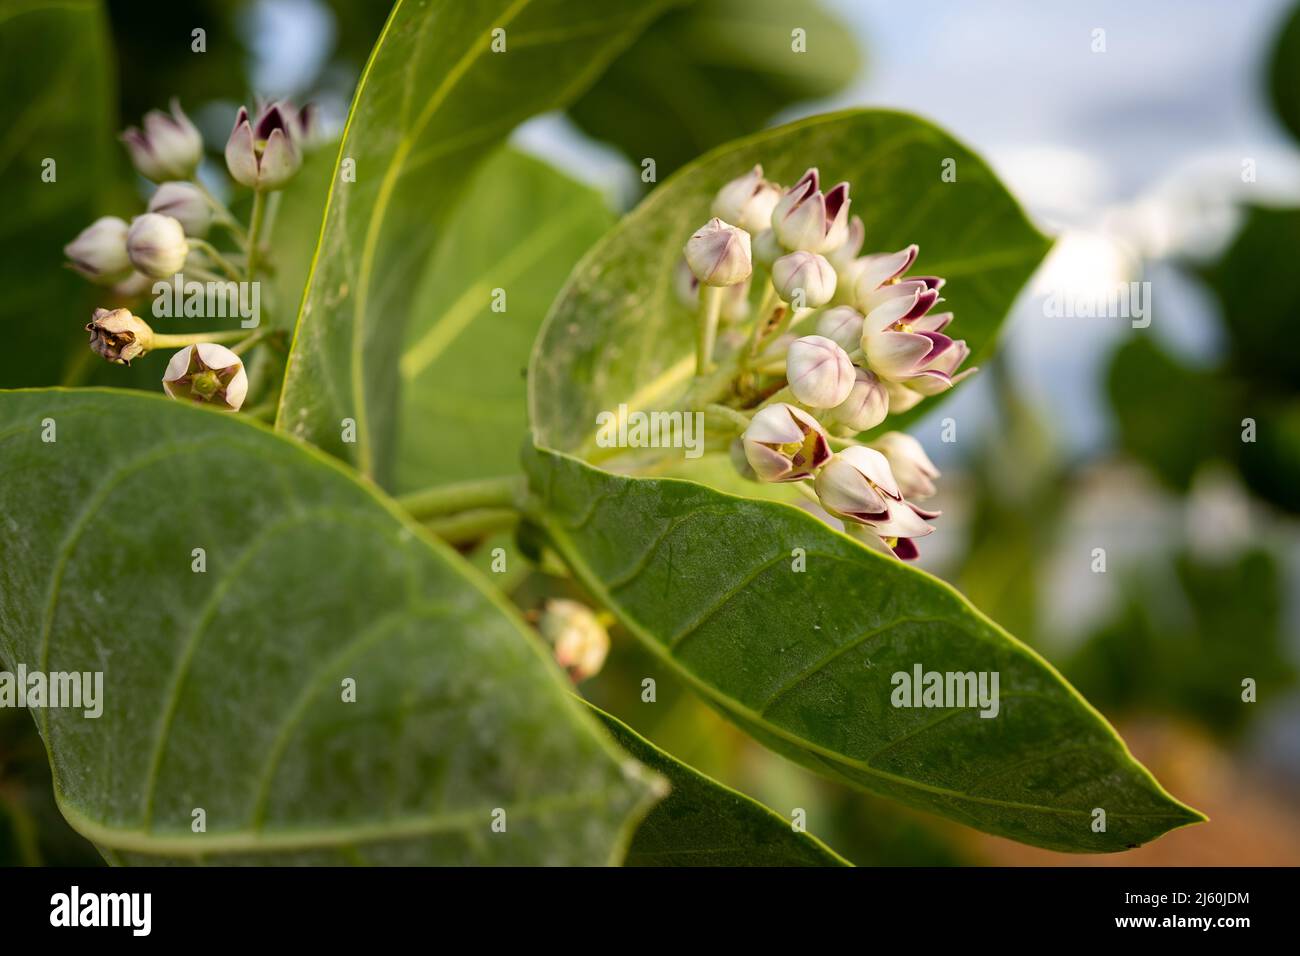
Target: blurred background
{"points": [[1158, 143]]}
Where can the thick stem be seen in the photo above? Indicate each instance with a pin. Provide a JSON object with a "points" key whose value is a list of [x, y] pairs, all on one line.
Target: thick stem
{"points": [[472, 525], [254, 232], [179, 341], [707, 331], [443, 500]]}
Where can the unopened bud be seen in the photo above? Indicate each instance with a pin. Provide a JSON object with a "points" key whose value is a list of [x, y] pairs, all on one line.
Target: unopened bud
{"points": [[168, 147], [579, 640], [785, 443], [767, 249], [819, 371], [842, 325], [866, 406], [264, 153], [805, 219], [912, 467], [207, 373], [99, 251], [719, 254], [119, 336], [185, 203], [748, 201], [805, 274], [156, 245]]}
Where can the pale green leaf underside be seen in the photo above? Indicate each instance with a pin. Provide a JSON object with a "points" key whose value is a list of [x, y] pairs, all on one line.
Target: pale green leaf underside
{"points": [[705, 823], [519, 228], [804, 660], [223, 690], [432, 101], [618, 334]]}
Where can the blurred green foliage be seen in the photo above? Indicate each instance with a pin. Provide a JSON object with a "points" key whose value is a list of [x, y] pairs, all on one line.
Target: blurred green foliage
{"points": [[711, 71]]}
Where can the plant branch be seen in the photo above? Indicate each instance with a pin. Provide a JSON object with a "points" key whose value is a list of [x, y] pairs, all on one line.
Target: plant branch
{"points": [[440, 500]]}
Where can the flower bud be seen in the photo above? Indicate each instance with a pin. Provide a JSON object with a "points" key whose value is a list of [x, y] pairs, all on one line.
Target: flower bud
{"points": [[747, 201], [766, 248], [119, 336], [579, 639], [156, 245], [909, 463], [736, 452], [718, 254], [843, 326], [207, 373], [185, 203], [866, 406], [264, 154], [819, 371], [99, 251], [805, 219], [169, 147], [785, 443], [855, 483], [842, 256], [804, 279]]}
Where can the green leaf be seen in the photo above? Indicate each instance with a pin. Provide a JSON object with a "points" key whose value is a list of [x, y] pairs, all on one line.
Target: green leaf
{"points": [[705, 823], [805, 661], [618, 334], [54, 70], [712, 71], [223, 690], [432, 101], [519, 228]]}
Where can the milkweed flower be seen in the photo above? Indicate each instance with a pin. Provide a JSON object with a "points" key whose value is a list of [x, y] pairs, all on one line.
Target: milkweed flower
{"points": [[718, 254], [748, 201], [805, 219], [865, 407], [207, 373], [579, 640], [858, 486], [264, 153], [911, 466], [99, 251], [819, 371], [804, 279], [168, 147], [156, 245], [785, 443], [119, 336], [185, 203]]}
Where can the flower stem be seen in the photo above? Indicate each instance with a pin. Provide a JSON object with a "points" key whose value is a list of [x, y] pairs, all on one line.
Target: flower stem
{"points": [[211, 252], [163, 341], [737, 418], [707, 331], [254, 232], [473, 525], [443, 500]]}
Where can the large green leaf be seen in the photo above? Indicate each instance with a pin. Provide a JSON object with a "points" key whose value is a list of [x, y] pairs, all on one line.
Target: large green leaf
{"points": [[433, 100], [223, 689], [705, 823], [714, 70], [804, 661], [520, 227], [618, 334], [54, 70]]}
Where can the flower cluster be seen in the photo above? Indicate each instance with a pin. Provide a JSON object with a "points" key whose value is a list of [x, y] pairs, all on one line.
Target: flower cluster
{"points": [[873, 345], [171, 237]]}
